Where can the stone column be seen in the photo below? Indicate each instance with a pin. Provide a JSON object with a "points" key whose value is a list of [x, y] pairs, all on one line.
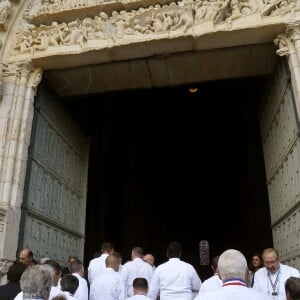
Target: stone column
{"points": [[289, 46], [19, 82]]}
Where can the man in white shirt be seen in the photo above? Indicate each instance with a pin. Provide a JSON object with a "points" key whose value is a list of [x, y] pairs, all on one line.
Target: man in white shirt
{"points": [[97, 265], [214, 282], [77, 269], [149, 258], [109, 285], [271, 278], [140, 289], [174, 279], [135, 268], [69, 285], [233, 270]]}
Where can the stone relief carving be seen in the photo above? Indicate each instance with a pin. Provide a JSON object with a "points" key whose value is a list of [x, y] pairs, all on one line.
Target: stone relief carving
{"points": [[209, 9], [23, 69], [4, 265], [286, 42], [279, 7], [157, 19], [5, 11], [283, 44]]}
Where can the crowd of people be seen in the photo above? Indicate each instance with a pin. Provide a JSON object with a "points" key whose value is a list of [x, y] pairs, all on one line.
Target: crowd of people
{"points": [[106, 278]]}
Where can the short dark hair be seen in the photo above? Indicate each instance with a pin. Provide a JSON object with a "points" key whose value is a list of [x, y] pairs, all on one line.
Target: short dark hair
{"points": [[140, 283], [107, 247], [54, 264], [69, 283], [76, 266], [292, 286], [174, 249], [15, 271]]}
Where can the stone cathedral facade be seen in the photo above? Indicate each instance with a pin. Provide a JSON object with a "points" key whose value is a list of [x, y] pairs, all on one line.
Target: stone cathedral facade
{"points": [[39, 37]]}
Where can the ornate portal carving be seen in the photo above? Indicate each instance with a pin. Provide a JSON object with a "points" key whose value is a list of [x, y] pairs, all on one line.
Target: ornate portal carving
{"points": [[112, 26]]}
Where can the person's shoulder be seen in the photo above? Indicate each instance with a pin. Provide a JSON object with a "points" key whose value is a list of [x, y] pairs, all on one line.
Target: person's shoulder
{"points": [[258, 295], [93, 261], [19, 296], [291, 269], [261, 271], [209, 295]]}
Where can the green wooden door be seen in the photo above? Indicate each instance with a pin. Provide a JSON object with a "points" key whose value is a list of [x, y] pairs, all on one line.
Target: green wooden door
{"points": [[54, 204]]}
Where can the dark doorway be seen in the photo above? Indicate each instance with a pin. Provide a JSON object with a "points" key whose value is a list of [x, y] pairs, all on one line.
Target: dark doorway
{"points": [[167, 164]]}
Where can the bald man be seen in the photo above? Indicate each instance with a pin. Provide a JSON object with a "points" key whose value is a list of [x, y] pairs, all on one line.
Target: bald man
{"points": [[149, 258], [26, 257]]}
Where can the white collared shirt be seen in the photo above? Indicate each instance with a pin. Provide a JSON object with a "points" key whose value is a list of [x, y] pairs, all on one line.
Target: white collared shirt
{"points": [[262, 282]]}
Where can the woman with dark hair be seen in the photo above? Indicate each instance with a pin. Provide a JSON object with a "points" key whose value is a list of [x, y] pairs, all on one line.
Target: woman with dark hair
{"points": [[255, 264], [12, 288]]}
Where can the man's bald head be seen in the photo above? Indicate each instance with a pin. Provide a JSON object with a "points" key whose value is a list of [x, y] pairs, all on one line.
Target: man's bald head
{"points": [[149, 258]]}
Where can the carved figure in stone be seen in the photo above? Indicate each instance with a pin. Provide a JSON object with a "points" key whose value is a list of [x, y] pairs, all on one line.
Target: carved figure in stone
{"points": [[158, 23], [33, 9], [23, 39], [212, 10], [183, 20], [279, 7], [5, 10], [41, 42], [88, 28], [283, 46], [99, 24], [221, 11], [55, 6], [54, 33], [200, 8], [249, 7]]}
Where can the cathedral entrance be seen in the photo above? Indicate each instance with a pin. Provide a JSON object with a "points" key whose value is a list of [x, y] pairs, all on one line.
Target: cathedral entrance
{"points": [[169, 164]]}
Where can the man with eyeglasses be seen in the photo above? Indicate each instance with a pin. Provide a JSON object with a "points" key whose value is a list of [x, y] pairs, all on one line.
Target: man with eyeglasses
{"points": [[272, 277]]}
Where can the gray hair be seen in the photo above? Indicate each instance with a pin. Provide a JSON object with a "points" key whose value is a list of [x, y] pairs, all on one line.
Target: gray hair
{"points": [[36, 282], [232, 264]]}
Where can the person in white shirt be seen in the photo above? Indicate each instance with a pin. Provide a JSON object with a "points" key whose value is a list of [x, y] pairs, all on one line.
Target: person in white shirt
{"points": [[214, 282], [77, 269], [69, 284], [140, 289], [174, 279], [233, 270], [97, 265], [271, 278], [135, 268], [149, 258], [109, 285]]}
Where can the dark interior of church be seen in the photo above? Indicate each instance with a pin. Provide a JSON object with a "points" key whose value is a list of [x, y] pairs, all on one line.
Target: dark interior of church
{"points": [[167, 164]]}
